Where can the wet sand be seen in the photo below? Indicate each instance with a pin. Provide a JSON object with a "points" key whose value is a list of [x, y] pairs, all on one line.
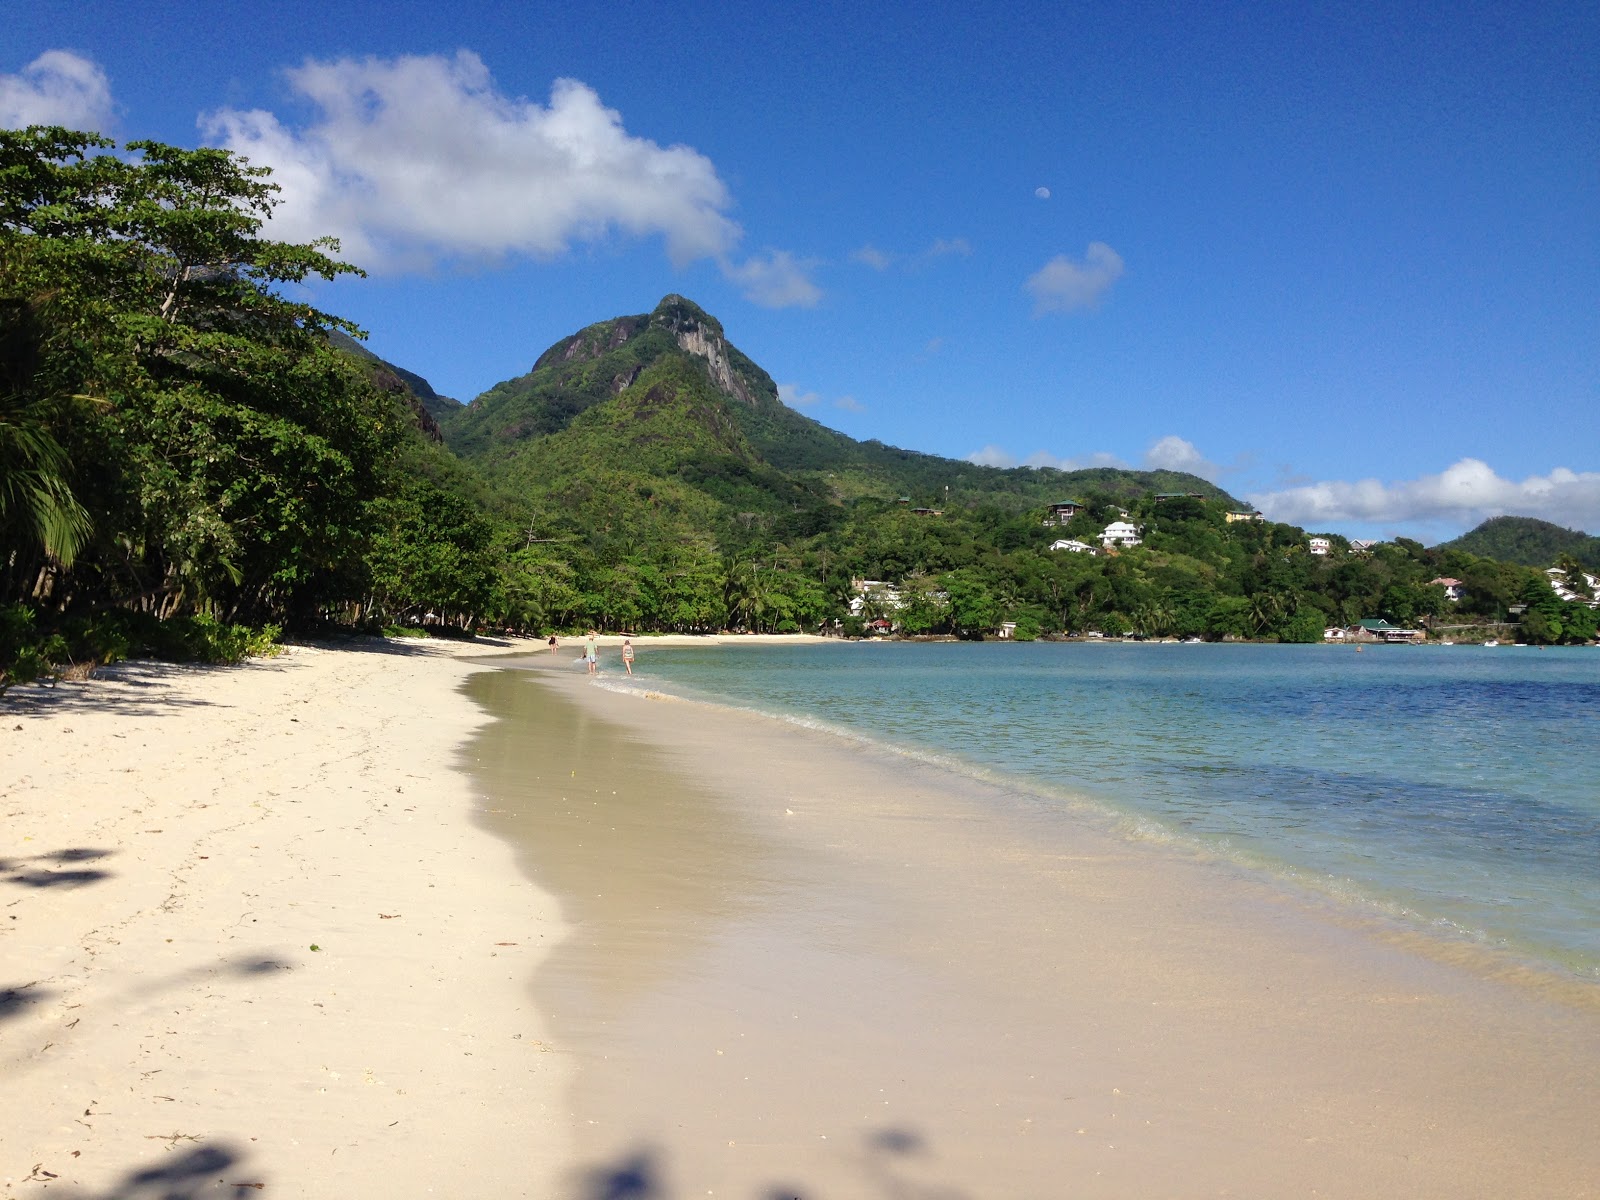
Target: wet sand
{"points": [[801, 967]]}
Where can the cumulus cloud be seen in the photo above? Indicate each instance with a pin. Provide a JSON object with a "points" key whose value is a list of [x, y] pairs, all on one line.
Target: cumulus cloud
{"points": [[943, 247], [881, 260], [57, 88], [1062, 285], [871, 256], [794, 397], [775, 279], [1468, 492], [995, 456], [412, 159], [1173, 453]]}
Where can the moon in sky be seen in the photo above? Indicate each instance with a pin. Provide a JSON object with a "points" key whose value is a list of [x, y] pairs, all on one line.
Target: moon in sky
{"points": [[1042, 192]]}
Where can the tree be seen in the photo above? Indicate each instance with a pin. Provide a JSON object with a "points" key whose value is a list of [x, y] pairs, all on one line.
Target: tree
{"points": [[225, 453]]}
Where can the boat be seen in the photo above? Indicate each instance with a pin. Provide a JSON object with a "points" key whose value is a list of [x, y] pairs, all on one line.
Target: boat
{"points": [[1491, 642]]}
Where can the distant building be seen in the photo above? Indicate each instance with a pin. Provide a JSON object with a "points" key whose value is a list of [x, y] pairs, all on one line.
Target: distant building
{"points": [[1062, 511], [1320, 546], [928, 512], [1454, 589], [1072, 546], [1377, 629], [1362, 545], [1231, 517], [886, 595], [1333, 633], [1120, 533], [1558, 581], [1163, 497]]}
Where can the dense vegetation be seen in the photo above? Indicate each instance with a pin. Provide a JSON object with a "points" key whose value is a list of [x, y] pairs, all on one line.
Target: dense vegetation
{"points": [[191, 460], [1528, 541]]}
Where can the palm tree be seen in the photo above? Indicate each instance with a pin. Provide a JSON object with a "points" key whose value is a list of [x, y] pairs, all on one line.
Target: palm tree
{"points": [[34, 493]]}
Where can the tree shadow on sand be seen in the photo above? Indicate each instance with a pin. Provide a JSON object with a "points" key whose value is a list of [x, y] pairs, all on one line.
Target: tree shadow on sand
{"points": [[44, 870], [208, 1169], [641, 1174]]}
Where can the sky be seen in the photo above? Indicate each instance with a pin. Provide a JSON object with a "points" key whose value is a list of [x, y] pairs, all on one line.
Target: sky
{"points": [[1342, 260]]}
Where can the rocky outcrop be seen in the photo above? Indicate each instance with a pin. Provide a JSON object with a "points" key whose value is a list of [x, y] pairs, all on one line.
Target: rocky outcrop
{"points": [[700, 334]]}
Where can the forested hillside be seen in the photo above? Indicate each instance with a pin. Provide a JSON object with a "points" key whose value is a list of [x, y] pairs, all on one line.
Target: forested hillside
{"points": [[1528, 541], [190, 462]]}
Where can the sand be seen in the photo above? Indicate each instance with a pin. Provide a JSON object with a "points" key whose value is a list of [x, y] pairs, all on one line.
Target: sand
{"points": [[318, 927], [252, 942], [803, 967]]}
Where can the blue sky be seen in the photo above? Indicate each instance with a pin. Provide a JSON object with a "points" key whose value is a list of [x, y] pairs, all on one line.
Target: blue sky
{"points": [[1343, 260]]}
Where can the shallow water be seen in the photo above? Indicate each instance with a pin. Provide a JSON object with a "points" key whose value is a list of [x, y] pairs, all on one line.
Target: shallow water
{"points": [[1451, 787]]}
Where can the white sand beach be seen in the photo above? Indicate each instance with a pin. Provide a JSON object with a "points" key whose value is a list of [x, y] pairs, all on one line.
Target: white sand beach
{"points": [[251, 941], [275, 929]]}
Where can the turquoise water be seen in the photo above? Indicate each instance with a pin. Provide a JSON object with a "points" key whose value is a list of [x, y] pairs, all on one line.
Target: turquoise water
{"points": [[1452, 787]]}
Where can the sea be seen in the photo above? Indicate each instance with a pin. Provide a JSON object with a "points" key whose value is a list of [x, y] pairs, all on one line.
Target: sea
{"points": [[1450, 789]]}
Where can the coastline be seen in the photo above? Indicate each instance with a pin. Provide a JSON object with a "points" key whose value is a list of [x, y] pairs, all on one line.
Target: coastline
{"points": [[850, 974], [253, 940]]}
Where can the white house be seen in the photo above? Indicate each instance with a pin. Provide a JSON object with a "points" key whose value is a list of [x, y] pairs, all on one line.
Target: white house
{"points": [[1231, 517], [1558, 581], [1072, 546], [1454, 589], [1120, 533], [886, 594], [1320, 546], [1062, 511]]}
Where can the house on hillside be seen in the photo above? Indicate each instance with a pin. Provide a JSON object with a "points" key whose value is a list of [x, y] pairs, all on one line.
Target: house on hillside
{"points": [[884, 596], [1320, 546], [1120, 534], [1231, 517], [1454, 589], [1062, 511], [1362, 545], [1072, 546], [1558, 581]]}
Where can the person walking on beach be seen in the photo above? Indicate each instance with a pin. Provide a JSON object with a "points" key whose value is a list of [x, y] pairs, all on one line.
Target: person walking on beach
{"points": [[590, 653], [627, 655], [552, 643]]}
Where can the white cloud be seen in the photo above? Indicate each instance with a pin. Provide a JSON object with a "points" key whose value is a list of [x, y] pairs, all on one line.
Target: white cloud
{"points": [[1062, 285], [419, 157], [57, 88], [943, 247], [1173, 453], [775, 279], [992, 456], [1468, 492], [872, 257], [996, 456], [791, 395]]}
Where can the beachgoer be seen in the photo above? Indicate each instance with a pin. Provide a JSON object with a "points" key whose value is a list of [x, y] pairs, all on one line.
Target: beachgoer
{"points": [[627, 655], [590, 654], [552, 643]]}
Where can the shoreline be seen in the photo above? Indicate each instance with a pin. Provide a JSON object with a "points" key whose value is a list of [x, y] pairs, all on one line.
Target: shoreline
{"points": [[252, 938], [923, 946]]}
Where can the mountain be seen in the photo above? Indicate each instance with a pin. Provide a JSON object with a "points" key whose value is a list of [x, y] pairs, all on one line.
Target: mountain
{"points": [[1528, 542], [659, 415], [432, 409]]}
